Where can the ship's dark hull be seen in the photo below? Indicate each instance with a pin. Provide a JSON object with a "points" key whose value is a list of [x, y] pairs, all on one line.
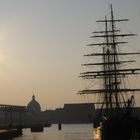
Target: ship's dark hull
{"points": [[119, 129]]}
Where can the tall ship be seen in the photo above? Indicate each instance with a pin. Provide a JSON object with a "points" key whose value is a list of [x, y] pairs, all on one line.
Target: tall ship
{"points": [[114, 119]]}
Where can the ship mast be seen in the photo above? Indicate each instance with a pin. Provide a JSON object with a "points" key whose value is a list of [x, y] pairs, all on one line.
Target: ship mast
{"points": [[111, 73]]}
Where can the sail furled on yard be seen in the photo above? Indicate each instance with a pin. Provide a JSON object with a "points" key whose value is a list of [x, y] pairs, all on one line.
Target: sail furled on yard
{"points": [[112, 74]]}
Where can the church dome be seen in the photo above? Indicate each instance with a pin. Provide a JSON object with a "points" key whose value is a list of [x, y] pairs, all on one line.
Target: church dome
{"points": [[33, 106]]}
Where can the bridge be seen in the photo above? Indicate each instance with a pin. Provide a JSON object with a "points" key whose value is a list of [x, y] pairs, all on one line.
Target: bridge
{"points": [[18, 117]]}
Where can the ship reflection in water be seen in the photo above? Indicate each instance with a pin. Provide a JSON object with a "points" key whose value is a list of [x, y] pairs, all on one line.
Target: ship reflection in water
{"points": [[68, 132], [97, 133]]}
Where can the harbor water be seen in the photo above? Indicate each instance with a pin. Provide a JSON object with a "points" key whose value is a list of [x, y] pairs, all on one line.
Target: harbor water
{"points": [[68, 132]]}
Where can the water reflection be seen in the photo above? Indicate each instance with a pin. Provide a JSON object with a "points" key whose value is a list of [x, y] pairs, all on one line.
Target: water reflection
{"points": [[68, 132]]}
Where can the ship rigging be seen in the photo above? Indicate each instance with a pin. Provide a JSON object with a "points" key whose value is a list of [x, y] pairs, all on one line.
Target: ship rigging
{"points": [[114, 104]]}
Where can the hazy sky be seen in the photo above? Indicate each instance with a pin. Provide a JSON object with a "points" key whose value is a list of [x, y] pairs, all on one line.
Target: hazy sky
{"points": [[42, 43]]}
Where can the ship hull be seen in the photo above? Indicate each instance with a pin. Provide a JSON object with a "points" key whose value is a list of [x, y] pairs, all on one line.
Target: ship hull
{"points": [[121, 129]]}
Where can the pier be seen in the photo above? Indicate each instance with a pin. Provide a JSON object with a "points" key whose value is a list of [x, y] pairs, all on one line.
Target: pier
{"points": [[14, 118], [8, 134]]}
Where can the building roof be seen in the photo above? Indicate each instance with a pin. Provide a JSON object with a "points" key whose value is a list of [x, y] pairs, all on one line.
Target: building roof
{"points": [[33, 106]]}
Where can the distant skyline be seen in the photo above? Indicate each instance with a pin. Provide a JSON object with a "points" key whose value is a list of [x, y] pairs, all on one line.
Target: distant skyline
{"points": [[42, 43]]}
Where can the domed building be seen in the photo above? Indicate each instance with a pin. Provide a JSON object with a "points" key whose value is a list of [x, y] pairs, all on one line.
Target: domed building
{"points": [[33, 106]]}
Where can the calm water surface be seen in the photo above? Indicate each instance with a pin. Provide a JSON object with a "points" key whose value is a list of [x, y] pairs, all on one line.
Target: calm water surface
{"points": [[68, 132]]}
